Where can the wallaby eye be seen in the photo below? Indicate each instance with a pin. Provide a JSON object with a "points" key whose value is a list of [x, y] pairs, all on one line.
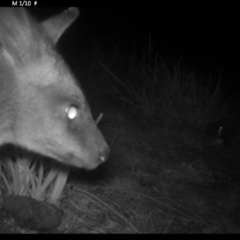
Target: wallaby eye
{"points": [[71, 111]]}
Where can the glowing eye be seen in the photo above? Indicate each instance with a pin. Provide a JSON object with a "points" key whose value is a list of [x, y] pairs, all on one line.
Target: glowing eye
{"points": [[71, 112]]}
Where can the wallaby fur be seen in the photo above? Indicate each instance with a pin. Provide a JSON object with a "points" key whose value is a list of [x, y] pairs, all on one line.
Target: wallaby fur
{"points": [[42, 108]]}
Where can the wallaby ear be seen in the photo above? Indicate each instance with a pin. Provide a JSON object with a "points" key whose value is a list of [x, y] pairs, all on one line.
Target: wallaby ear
{"points": [[15, 31], [57, 25]]}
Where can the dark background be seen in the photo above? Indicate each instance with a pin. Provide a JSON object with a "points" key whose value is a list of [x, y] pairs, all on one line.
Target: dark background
{"points": [[204, 37]]}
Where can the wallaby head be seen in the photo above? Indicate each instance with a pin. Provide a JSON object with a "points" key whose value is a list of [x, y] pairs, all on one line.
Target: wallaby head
{"points": [[42, 108]]}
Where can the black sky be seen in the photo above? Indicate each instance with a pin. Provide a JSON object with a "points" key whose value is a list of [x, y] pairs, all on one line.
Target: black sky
{"points": [[205, 36]]}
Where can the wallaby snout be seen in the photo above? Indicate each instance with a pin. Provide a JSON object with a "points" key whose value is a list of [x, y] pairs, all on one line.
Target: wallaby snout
{"points": [[42, 108]]}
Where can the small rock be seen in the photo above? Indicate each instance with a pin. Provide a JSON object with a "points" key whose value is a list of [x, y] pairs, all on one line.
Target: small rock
{"points": [[32, 214]]}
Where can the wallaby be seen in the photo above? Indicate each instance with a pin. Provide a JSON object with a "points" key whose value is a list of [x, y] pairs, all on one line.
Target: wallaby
{"points": [[42, 108]]}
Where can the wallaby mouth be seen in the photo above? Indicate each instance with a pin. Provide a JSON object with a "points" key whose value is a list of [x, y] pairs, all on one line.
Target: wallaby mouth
{"points": [[92, 153], [87, 159], [86, 149]]}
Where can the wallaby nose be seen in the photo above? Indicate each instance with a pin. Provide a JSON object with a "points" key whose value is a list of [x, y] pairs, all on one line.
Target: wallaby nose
{"points": [[103, 153]]}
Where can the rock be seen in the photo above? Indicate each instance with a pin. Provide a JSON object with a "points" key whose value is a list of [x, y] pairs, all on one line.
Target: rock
{"points": [[32, 214]]}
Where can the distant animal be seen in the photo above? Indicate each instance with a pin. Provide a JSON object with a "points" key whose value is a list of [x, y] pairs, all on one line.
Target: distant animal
{"points": [[42, 107]]}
